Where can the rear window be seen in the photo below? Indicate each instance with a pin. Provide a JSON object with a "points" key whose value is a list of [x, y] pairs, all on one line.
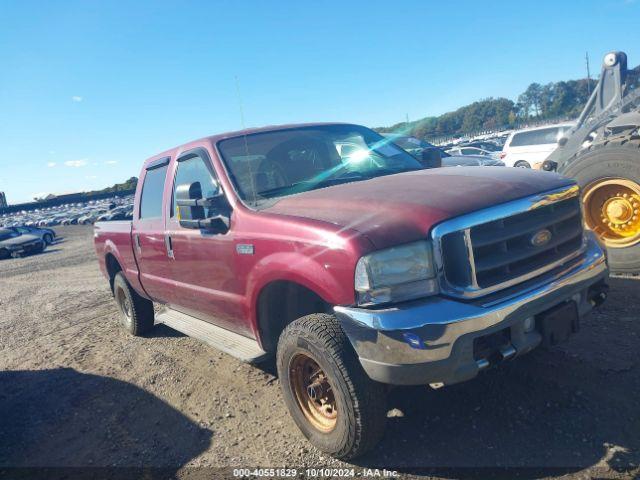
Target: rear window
{"points": [[152, 189], [544, 136]]}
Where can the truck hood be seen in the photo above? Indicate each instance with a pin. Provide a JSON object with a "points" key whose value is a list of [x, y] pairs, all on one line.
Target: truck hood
{"points": [[401, 208]]}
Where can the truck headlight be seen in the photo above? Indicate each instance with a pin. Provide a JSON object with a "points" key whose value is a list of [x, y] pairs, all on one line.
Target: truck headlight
{"points": [[396, 274]]}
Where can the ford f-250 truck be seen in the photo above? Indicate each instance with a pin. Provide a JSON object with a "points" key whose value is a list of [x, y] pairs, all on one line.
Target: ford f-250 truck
{"points": [[339, 253]]}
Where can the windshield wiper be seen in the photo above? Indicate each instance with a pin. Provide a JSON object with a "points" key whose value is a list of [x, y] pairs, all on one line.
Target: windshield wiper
{"points": [[294, 187], [330, 181]]}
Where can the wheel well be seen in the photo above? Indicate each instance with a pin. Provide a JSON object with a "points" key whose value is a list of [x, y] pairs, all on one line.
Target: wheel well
{"points": [[113, 267], [282, 302]]}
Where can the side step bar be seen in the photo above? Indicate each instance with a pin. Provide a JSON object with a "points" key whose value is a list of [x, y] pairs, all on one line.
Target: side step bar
{"points": [[242, 348]]}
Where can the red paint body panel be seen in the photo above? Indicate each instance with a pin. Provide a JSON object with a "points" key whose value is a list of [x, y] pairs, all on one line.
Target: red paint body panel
{"points": [[314, 239], [401, 208], [114, 238]]}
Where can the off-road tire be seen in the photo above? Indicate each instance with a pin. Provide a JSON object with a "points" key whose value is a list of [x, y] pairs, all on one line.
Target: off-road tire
{"points": [[618, 157], [140, 317], [360, 402]]}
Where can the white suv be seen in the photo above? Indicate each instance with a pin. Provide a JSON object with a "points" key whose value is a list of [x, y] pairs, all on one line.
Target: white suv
{"points": [[529, 147]]}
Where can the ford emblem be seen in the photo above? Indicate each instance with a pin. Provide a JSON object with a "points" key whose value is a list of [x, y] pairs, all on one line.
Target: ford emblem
{"points": [[541, 238]]}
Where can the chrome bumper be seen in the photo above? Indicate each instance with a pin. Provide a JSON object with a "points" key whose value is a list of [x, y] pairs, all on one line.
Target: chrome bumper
{"points": [[431, 340]]}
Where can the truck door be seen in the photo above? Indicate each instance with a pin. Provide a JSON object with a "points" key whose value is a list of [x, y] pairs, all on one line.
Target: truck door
{"points": [[148, 233], [202, 263]]}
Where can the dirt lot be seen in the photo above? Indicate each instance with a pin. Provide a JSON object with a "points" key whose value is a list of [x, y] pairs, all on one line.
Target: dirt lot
{"points": [[75, 390]]}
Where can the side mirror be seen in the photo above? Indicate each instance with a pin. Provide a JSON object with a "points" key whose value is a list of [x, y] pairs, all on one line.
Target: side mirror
{"points": [[562, 141], [192, 209], [431, 158]]}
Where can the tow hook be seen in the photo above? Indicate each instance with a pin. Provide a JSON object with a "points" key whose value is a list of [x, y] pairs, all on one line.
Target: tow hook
{"points": [[598, 294]]}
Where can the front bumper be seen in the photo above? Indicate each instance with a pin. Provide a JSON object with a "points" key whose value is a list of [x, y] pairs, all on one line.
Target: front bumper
{"points": [[431, 341]]}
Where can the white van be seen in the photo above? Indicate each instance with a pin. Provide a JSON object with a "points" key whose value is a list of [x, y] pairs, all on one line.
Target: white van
{"points": [[529, 147]]}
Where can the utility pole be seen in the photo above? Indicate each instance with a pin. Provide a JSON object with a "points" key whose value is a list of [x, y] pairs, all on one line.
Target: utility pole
{"points": [[586, 57]]}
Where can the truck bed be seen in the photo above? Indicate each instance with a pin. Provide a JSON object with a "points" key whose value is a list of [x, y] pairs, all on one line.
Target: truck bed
{"points": [[113, 241]]}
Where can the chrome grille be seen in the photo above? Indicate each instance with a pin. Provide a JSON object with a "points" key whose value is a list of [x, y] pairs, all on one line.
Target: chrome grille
{"points": [[499, 247]]}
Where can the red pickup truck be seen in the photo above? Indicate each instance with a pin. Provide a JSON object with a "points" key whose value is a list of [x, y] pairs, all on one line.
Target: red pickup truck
{"points": [[340, 254]]}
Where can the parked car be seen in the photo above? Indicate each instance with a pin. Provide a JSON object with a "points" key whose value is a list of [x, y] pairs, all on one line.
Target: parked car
{"points": [[529, 147], [416, 147], [355, 268], [46, 234], [118, 213], [489, 146], [462, 151], [14, 244]]}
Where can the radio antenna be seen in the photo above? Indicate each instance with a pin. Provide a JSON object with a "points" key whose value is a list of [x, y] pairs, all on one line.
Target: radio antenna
{"points": [[246, 143]]}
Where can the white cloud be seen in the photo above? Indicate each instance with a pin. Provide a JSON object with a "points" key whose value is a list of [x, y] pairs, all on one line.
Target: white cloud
{"points": [[111, 162], [51, 164], [76, 163], [77, 98]]}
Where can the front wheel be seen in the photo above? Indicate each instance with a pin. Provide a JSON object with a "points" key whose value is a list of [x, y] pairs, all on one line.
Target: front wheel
{"points": [[522, 164], [48, 239], [332, 400]]}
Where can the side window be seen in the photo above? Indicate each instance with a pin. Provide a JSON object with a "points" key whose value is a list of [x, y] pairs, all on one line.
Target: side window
{"points": [[191, 170], [543, 136], [151, 200]]}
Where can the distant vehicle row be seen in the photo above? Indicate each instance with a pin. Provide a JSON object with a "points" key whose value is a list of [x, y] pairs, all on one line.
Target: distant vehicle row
{"points": [[526, 148], [72, 214]]}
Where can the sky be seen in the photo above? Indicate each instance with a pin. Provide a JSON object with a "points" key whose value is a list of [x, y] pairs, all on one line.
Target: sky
{"points": [[89, 89]]}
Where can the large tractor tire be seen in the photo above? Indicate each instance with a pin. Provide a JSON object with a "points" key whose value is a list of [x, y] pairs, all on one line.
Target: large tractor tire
{"points": [[609, 174]]}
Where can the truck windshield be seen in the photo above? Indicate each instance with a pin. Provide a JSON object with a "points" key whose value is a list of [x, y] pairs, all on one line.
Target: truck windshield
{"points": [[269, 165]]}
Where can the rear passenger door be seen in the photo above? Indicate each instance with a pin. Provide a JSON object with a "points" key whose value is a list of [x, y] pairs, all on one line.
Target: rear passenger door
{"points": [[203, 262], [148, 234]]}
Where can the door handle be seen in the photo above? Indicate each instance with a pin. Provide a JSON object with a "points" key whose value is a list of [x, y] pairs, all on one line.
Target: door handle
{"points": [[169, 244], [138, 245]]}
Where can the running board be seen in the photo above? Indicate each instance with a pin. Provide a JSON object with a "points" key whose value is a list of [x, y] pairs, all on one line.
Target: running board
{"points": [[242, 348]]}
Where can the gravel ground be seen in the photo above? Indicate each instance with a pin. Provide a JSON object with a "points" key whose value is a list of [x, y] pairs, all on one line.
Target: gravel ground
{"points": [[77, 391]]}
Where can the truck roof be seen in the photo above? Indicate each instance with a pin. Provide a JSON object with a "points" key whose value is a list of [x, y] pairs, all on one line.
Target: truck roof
{"points": [[237, 133]]}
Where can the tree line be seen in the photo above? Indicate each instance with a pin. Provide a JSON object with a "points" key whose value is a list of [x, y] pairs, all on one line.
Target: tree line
{"points": [[129, 184], [564, 99]]}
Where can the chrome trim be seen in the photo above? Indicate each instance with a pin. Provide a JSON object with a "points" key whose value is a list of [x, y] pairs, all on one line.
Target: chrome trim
{"points": [[508, 352], [448, 326], [465, 222], [482, 363], [471, 258]]}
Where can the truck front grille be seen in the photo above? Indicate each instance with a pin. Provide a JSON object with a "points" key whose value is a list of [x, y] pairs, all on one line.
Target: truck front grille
{"points": [[502, 246]]}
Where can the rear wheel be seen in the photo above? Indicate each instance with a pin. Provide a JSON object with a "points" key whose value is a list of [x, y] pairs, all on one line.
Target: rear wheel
{"points": [[332, 400], [136, 313], [609, 174]]}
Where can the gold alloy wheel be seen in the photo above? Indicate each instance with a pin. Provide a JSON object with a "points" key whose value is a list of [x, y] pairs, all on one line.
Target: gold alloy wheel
{"points": [[313, 392], [612, 211]]}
